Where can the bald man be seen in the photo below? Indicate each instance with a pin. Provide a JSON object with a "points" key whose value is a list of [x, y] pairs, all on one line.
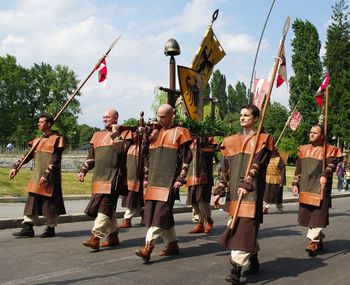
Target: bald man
{"points": [[107, 154], [168, 157]]}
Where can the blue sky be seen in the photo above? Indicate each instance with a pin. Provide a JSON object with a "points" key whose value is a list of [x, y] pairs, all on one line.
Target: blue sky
{"points": [[76, 33]]}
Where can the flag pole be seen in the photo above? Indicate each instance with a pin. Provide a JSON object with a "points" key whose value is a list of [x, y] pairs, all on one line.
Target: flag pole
{"points": [[266, 103], [325, 129], [287, 123], [68, 101], [257, 50]]}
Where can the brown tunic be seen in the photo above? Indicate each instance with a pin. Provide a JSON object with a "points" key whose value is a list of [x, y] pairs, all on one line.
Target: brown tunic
{"points": [[168, 150], [275, 179], [46, 200], [236, 150], [108, 156], [307, 176], [200, 173], [134, 199]]}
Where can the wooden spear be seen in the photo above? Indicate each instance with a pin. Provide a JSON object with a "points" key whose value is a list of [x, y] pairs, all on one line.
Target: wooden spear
{"points": [[67, 103], [267, 99]]}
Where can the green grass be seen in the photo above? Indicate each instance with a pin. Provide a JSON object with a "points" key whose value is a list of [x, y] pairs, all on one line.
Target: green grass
{"points": [[16, 187], [71, 185]]}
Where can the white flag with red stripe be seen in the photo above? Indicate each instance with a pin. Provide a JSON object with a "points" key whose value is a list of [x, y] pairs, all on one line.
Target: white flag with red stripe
{"points": [[260, 90], [282, 71], [295, 120], [321, 89], [102, 71]]}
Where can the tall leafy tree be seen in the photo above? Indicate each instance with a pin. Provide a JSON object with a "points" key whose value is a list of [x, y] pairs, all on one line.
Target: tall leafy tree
{"points": [[307, 67], [337, 62], [275, 120], [236, 97], [218, 90], [14, 98]]}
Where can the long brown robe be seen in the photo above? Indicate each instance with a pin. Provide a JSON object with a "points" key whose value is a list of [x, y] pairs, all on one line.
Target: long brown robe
{"points": [[108, 156], [200, 175], [169, 153], [236, 151], [46, 200], [309, 169], [134, 198]]}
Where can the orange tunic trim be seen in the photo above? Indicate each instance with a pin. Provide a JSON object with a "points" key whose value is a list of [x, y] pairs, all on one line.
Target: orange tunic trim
{"points": [[171, 138], [34, 187], [156, 193], [239, 143], [101, 187], [316, 152]]}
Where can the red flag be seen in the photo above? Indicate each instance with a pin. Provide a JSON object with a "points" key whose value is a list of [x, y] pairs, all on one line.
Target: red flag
{"points": [[320, 92], [282, 71], [295, 119], [102, 70], [260, 89]]}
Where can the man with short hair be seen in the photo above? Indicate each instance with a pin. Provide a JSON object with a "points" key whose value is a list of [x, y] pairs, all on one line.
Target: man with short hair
{"points": [[107, 155], [165, 171], [313, 185], [44, 189], [236, 151]]}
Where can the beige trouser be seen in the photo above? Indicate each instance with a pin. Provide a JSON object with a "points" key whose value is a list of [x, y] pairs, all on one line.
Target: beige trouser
{"points": [[200, 212], [104, 225], [131, 212], [315, 234], [267, 205], [51, 222], [168, 235], [241, 257]]}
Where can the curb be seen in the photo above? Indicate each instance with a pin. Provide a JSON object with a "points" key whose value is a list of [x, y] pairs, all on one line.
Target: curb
{"points": [[17, 222]]}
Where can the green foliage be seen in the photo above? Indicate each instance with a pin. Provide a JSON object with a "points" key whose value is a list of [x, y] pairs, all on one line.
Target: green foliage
{"points": [[276, 117], [205, 128], [307, 67], [337, 62], [236, 97], [25, 93], [290, 145], [132, 122], [218, 90], [84, 134]]}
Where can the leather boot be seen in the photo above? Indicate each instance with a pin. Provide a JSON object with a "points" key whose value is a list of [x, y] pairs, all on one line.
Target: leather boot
{"points": [[145, 252], [198, 228], [171, 249], [254, 265], [235, 273], [112, 240], [126, 223], [209, 225], [26, 231], [93, 242], [48, 232], [314, 247]]}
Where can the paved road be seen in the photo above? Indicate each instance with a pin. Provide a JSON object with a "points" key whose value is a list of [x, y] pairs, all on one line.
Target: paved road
{"points": [[64, 260]]}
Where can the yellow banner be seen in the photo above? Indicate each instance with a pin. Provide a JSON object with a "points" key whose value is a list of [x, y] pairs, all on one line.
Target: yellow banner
{"points": [[192, 92], [209, 53]]}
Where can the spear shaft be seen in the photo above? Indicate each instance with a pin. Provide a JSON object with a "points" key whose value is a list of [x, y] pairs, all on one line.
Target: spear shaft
{"points": [[68, 101]]}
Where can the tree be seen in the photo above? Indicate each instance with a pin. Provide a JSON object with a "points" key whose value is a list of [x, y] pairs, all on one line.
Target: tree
{"points": [[236, 97], [14, 100], [218, 90], [337, 62], [307, 67], [275, 120], [51, 88]]}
